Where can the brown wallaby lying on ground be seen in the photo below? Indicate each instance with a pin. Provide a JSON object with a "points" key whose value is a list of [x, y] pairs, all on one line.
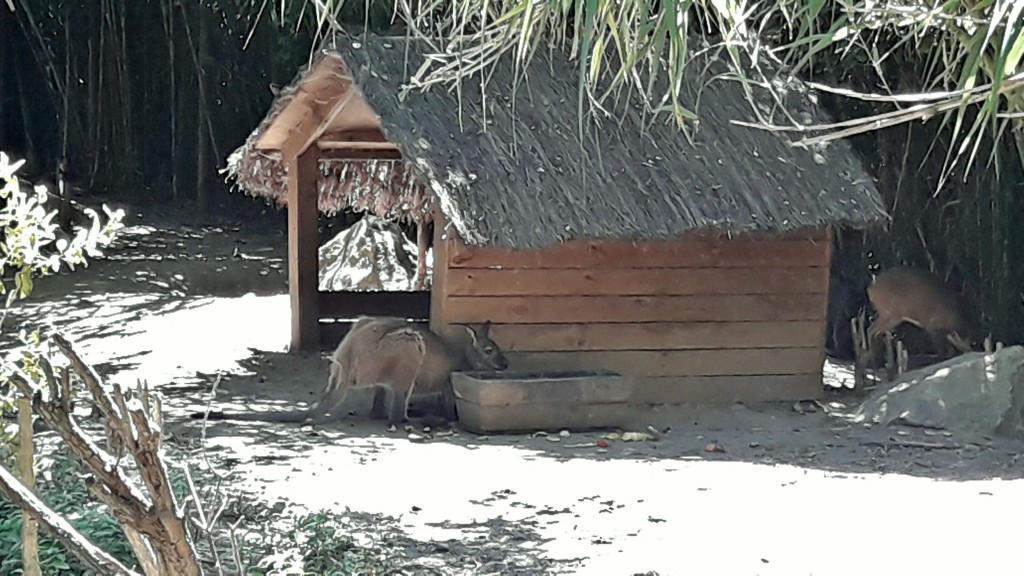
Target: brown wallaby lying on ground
{"points": [[917, 297], [401, 360]]}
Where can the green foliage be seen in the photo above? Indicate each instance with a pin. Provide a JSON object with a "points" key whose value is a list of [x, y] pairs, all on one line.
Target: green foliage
{"points": [[974, 49], [33, 246], [320, 545], [971, 52], [62, 488]]}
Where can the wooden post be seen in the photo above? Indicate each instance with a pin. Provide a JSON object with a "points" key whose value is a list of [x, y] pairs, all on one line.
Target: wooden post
{"points": [[438, 281], [26, 456], [829, 239], [422, 239], [303, 260]]}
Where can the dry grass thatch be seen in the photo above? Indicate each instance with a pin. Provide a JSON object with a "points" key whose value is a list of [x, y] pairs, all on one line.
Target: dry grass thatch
{"points": [[518, 174]]}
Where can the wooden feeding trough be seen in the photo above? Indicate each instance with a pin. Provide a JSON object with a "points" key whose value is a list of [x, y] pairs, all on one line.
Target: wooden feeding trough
{"points": [[521, 401], [697, 268]]}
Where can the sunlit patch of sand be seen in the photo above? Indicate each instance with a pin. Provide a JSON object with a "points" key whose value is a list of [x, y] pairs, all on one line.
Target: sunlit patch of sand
{"points": [[837, 374], [628, 516], [152, 338]]}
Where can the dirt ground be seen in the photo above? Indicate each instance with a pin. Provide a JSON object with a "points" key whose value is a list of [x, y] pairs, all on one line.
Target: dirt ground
{"points": [[794, 489]]}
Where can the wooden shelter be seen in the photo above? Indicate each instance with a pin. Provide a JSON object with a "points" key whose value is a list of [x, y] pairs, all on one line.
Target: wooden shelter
{"points": [[698, 267]]}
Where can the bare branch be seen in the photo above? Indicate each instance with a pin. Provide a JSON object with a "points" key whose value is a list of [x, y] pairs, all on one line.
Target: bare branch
{"points": [[154, 526], [99, 561]]}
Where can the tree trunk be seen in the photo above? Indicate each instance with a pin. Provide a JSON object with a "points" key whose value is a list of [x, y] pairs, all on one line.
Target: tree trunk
{"points": [[64, 214], [202, 137], [26, 116], [5, 38], [168, 13], [127, 144]]}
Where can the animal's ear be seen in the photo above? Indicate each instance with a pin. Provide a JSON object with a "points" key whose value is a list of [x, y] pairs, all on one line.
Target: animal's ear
{"points": [[485, 330], [472, 334]]}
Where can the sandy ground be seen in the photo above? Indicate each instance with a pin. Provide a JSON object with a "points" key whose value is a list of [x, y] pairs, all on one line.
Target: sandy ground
{"points": [[795, 491]]}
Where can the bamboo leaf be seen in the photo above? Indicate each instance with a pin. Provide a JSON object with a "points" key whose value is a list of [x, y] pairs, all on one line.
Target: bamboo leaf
{"points": [[1013, 47], [813, 9]]}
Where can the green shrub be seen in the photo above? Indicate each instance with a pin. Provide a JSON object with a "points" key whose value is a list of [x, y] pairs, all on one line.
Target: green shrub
{"points": [[319, 544], [67, 494]]}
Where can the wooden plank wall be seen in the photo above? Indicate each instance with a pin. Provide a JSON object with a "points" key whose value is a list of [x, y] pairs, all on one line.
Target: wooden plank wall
{"points": [[338, 310], [694, 320]]}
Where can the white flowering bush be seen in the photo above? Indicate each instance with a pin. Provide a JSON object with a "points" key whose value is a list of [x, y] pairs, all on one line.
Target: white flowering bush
{"points": [[31, 244]]}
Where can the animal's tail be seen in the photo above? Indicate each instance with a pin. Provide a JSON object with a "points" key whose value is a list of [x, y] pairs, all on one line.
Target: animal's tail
{"points": [[422, 346], [329, 399], [278, 416]]}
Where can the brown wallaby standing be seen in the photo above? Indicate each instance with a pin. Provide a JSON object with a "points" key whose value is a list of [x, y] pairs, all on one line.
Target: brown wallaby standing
{"points": [[403, 360], [399, 359], [917, 297]]}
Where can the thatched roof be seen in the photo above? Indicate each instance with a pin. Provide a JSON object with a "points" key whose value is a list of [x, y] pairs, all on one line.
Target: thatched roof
{"points": [[526, 180], [382, 185]]}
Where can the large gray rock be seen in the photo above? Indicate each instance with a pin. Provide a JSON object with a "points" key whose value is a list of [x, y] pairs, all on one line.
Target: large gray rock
{"points": [[972, 394], [371, 255], [1012, 423]]}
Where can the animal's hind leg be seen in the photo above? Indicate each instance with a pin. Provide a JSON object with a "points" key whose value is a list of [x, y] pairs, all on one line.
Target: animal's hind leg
{"points": [[396, 403], [432, 407], [879, 341], [448, 406], [378, 407], [943, 345]]}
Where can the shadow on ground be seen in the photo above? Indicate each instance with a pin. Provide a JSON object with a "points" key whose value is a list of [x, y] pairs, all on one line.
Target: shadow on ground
{"points": [[821, 436]]}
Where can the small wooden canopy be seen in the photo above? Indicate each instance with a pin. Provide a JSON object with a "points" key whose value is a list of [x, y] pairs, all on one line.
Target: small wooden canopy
{"points": [[323, 117], [325, 109]]}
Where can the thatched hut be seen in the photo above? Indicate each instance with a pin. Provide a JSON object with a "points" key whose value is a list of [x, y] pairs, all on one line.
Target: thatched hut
{"points": [[700, 268]]}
